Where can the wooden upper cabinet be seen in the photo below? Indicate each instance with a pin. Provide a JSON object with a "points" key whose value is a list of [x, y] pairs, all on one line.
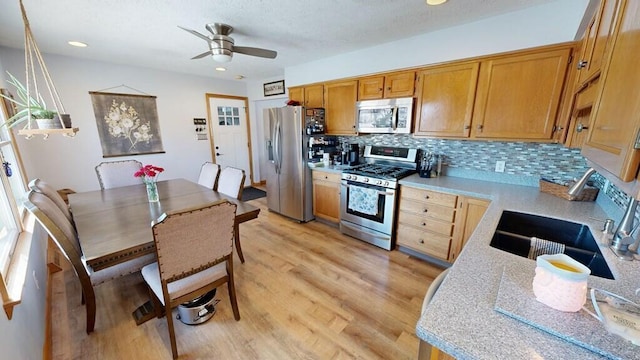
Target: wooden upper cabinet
{"points": [[595, 40], [311, 96], [340, 107], [314, 96], [371, 88], [445, 99], [518, 95], [615, 123], [400, 84]]}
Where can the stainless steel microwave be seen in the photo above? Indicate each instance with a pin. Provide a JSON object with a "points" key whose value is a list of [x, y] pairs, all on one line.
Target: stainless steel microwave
{"points": [[387, 116]]}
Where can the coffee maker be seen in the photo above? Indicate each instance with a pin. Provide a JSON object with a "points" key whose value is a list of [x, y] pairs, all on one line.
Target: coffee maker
{"points": [[351, 156]]}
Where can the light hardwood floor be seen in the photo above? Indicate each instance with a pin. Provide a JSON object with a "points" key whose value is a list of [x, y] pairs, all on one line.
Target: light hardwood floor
{"points": [[305, 292]]}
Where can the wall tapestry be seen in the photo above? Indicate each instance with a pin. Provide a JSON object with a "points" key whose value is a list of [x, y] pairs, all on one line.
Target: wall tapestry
{"points": [[127, 124]]}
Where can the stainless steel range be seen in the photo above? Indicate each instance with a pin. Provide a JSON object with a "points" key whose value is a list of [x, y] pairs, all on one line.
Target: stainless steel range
{"points": [[368, 196]]}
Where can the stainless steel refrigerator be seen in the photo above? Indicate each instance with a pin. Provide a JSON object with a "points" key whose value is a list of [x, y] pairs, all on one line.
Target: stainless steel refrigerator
{"points": [[289, 188]]}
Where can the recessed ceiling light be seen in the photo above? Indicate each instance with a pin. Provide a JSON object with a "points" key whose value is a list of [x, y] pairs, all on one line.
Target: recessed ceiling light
{"points": [[220, 68], [436, 2], [77, 43]]}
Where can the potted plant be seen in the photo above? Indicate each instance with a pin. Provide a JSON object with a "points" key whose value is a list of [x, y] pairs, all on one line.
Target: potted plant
{"points": [[45, 118]]}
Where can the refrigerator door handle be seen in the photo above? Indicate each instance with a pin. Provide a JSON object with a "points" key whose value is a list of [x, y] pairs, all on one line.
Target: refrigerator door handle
{"points": [[276, 146]]}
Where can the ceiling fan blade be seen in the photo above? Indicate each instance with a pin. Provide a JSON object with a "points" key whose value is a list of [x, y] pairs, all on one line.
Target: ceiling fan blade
{"points": [[202, 36], [270, 54], [200, 56]]}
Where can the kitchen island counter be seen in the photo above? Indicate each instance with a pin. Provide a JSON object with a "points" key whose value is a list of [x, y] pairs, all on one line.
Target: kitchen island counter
{"points": [[461, 318]]}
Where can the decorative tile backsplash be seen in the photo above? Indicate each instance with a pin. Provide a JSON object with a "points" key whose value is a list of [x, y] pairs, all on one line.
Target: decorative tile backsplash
{"points": [[533, 160]]}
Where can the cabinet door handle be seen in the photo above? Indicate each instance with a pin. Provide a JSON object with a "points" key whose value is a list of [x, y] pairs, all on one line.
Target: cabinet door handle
{"points": [[582, 64], [467, 127], [326, 177], [425, 210], [479, 127], [581, 127], [426, 196], [424, 224], [421, 241]]}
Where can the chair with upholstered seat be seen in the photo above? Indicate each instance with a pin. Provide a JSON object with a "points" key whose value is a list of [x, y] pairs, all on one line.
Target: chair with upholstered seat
{"points": [[195, 255], [209, 173], [112, 174], [63, 233], [231, 182]]}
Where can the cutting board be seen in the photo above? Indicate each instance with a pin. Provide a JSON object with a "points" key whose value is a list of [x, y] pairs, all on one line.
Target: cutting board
{"points": [[516, 299]]}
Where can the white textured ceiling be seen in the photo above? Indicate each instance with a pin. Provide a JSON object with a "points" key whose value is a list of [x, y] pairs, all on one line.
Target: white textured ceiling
{"points": [[145, 32]]}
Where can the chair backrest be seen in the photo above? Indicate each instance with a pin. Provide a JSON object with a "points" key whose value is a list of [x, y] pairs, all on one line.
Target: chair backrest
{"points": [[112, 174], [231, 182], [59, 228], [45, 188], [209, 173], [191, 240]]}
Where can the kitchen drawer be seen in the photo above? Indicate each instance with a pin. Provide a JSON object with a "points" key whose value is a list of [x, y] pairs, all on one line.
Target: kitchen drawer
{"points": [[325, 175], [423, 241], [421, 222], [434, 197], [428, 210]]}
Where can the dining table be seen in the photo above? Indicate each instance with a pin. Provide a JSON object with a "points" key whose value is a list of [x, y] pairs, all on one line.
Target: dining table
{"points": [[114, 225]]}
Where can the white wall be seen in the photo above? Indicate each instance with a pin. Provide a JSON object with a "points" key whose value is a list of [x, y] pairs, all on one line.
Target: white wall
{"points": [[551, 23], [69, 162]]}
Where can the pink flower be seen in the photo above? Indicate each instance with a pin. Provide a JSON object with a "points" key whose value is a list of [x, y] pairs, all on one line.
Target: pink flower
{"points": [[148, 172]]}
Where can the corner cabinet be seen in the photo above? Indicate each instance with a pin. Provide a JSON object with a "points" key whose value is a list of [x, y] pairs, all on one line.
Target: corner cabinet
{"points": [[445, 100], [519, 95], [614, 135], [435, 223], [326, 195], [340, 107]]}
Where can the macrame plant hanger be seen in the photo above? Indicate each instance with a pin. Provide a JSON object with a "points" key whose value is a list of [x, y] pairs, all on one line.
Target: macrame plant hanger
{"points": [[31, 50]]}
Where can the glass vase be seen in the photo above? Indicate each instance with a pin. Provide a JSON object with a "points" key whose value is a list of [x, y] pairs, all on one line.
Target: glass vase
{"points": [[152, 191]]}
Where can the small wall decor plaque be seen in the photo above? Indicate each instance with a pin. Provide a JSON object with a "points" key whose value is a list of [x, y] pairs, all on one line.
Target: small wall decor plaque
{"points": [[274, 88]]}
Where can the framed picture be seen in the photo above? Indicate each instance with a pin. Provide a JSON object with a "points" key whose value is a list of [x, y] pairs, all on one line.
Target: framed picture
{"points": [[274, 88], [127, 124]]}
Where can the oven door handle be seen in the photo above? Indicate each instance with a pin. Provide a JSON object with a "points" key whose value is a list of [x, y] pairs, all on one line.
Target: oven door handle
{"points": [[380, 192]]}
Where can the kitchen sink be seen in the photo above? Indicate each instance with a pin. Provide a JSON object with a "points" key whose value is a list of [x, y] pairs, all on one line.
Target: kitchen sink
{"points": [[515, 230]]}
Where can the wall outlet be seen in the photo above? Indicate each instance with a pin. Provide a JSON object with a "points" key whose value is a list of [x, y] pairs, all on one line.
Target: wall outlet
{"points": [[500, 166]]}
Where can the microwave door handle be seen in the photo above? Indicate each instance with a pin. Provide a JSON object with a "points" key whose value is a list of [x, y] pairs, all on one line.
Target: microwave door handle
{"points": [[394, 118]]}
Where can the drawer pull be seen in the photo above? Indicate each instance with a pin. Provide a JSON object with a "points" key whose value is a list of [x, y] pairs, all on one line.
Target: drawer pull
{"points": [[425, 210], [424, 224], [326, 177], [426, 196], [421, 241]]}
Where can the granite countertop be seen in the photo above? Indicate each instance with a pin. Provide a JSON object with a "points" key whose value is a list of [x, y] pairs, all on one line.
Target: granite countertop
{"points": [[462, 319]]}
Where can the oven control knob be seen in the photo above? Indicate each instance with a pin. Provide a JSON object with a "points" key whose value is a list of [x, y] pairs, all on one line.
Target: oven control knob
{"points": [[366, 180], [348, 177], [354, 178], [386, 183], [379, 182]]}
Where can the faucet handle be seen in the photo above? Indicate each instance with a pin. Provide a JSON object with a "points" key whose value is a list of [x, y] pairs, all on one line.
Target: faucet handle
{"points": [[609, 226]]}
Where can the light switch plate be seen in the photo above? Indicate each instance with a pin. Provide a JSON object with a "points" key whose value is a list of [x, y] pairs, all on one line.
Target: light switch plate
{"points": [[500, 166]]}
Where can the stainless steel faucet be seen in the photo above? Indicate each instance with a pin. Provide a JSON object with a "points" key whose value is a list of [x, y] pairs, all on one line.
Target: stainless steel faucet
{"points": [[622, 237], [575, 189]]}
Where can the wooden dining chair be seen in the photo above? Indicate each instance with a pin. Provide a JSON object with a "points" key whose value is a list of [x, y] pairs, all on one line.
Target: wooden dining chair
{"points": [[113, 174], [209, 173], [195, 255], [231, 182], [62, 232], [48, 190]]}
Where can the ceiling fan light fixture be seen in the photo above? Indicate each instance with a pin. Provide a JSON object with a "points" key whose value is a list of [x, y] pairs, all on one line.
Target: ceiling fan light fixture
{"points": [[436, 2], [221, 58]]}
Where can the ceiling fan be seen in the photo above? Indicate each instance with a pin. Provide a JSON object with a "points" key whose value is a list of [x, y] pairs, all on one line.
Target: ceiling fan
{"points": [[222, 47]]}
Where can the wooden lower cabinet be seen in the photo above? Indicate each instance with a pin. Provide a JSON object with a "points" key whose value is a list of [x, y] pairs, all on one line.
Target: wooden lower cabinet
{"points": [[435, 223], [428, 352], [326, 195]]}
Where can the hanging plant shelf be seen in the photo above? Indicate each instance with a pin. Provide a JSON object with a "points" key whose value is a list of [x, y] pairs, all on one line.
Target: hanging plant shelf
{"points": [[29, 133]]}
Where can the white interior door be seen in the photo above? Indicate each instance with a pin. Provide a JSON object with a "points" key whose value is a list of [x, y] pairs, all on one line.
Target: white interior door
{"points": [[229, 131]]}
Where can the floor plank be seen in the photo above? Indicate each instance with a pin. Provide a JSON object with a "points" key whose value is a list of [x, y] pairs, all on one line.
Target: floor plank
{"points": [[305, 292]]}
